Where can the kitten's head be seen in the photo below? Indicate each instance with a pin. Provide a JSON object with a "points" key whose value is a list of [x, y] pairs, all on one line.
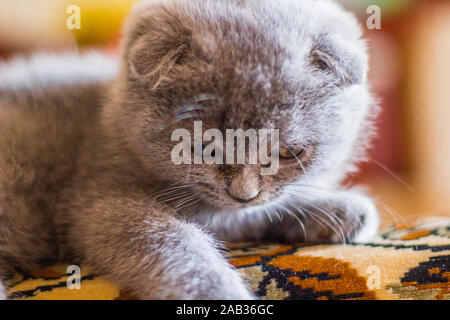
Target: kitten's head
{"points": [[296, 66]]}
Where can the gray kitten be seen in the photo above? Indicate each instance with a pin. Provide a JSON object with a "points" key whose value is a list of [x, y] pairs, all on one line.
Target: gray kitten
{"points": [[85, 164]]}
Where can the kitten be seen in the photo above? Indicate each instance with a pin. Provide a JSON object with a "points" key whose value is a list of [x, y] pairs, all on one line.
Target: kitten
{"points": [[85, 164]]}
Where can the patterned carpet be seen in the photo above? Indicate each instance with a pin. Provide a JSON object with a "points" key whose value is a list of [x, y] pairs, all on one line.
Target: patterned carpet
{"points": [[401, 263]]}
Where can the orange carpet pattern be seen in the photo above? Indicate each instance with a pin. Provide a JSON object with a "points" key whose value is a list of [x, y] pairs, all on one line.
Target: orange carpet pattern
{"points": [[402, 263]]}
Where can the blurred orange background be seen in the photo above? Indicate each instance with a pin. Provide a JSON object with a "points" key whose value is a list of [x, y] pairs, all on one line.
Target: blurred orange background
{"points": [[409, 167]]}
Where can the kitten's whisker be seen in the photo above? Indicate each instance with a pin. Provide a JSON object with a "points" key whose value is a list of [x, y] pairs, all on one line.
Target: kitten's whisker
{"points": [[289, 212], [392, 212], [396, 177], [317, 188], [312, 215], [333, 223], [268, 215], [188, 204], [171, 197], [298, 160], [329, 214], [301, 164], [173, 192], [327, 224], [179, 186], [300, 223], [181, 200], [278, 215], [173, 188], [184, 200]]}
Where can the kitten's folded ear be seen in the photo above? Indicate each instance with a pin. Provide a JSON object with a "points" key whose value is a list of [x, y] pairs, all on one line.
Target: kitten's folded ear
{"points": [[155, 44], [151, 59], [345, 66]]}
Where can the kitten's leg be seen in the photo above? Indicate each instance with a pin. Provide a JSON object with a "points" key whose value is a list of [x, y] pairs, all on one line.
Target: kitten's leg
{"points": [[342, 215], [149, 252]]}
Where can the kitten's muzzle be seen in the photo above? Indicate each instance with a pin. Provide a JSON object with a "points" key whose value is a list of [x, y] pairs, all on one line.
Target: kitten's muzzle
{"points": [[245, 187]]}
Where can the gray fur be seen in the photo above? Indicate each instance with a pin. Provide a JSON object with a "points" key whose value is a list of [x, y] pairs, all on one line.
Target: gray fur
{"points": [[85, 168]]}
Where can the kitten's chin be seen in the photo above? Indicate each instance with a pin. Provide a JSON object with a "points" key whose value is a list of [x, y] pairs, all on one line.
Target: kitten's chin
{"points": [[222, 204], [228, 203]]}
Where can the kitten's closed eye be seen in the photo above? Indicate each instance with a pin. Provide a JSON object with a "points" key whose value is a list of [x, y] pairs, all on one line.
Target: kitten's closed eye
{"points": [[345, 72], [291, 152]]}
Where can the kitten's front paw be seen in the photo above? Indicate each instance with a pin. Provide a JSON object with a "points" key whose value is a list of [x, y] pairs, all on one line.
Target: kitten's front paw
{"points": [[343, 216], [347, 217], [366, 213]]}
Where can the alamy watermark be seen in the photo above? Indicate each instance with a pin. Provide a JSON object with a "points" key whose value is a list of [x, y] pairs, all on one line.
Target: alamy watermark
{"points": [[74, 19], [374, 20], [374, 280], [74, 280], [208, 147]]}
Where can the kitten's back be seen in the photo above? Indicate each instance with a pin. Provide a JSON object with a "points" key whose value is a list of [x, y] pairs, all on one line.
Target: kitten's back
{"points": [[48, 105]]}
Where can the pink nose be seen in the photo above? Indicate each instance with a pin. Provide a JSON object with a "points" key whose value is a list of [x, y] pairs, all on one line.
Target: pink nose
{"points": [[245, 187]]}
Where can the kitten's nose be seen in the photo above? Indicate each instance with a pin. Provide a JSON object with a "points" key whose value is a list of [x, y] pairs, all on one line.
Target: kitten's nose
{"points": [[245, 187]]}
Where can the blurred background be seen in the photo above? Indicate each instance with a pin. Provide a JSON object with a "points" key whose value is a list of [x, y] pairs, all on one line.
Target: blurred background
{"points": [[409, 167]]}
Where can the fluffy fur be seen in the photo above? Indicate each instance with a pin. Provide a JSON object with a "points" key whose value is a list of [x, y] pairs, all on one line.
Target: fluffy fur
{"points": [[85, 168]]}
